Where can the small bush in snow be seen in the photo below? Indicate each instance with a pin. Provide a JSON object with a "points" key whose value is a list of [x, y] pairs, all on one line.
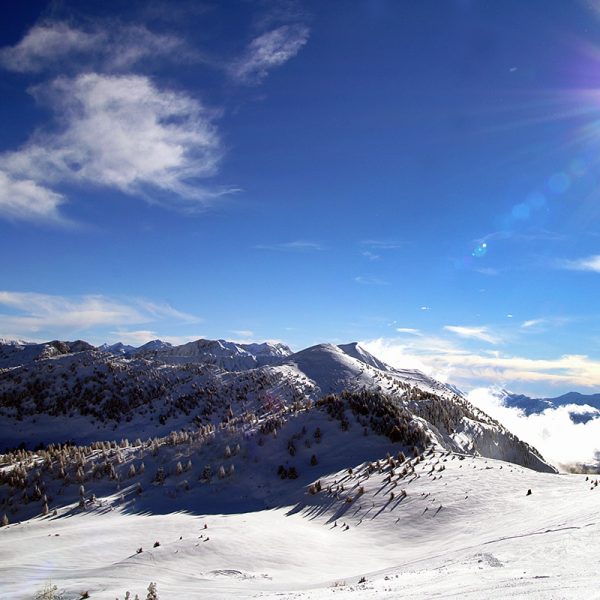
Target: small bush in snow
{"points": [[48, 592]]}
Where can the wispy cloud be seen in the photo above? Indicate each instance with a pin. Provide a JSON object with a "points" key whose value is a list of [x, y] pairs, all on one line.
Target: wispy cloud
{"points": [[543, 323], [163, 310], [531, 235], [103, 46], [295, 246], [490, 271], [589, 263], [370, 280], [532, 323], [476, 333], [384, 244], [120, 132], [24, 199], [409, 331], [268, 51], [29, 315], [371, 255], [243, 333]]}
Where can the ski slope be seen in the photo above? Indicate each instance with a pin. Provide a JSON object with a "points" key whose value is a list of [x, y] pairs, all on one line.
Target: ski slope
{"points": [[467, 531]]}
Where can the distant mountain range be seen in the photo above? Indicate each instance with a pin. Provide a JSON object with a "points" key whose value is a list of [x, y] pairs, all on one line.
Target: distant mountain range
{"points": [[531, 405]]}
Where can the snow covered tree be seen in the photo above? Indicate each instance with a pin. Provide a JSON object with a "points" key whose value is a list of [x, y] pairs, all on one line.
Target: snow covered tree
{"points": [[4, 521], [152, 592]]}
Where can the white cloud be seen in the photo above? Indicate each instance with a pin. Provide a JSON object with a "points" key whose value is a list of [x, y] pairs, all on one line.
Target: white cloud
{"points": [[447, 361], [120, 132], [29, 315], [105, 46], [425, 307], [370, 280], [476, 333], [24, 199], [552, 432], [243, 333], [267, 51], [532, 323], [297, 245], [371, 255], [47, 43], [408, 330], [590, 263], [164, 310], [384, 244]]}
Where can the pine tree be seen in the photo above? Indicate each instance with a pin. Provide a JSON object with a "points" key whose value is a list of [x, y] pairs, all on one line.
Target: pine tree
{"points": [[206, 473]]}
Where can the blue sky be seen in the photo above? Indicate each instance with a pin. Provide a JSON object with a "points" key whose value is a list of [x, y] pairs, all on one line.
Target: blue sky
{"points": [[423, 177]]}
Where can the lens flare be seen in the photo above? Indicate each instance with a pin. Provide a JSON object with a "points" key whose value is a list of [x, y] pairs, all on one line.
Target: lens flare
{"points": [[480, 250]]}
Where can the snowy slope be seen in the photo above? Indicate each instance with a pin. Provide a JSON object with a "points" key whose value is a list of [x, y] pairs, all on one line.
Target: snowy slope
{"points": [[437, 539]]}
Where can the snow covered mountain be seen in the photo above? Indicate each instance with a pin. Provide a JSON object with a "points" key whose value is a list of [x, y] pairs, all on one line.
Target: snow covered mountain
{"points": [[127, 350], [17, 353], [94, 395], [230, 356], [324, 469]]}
